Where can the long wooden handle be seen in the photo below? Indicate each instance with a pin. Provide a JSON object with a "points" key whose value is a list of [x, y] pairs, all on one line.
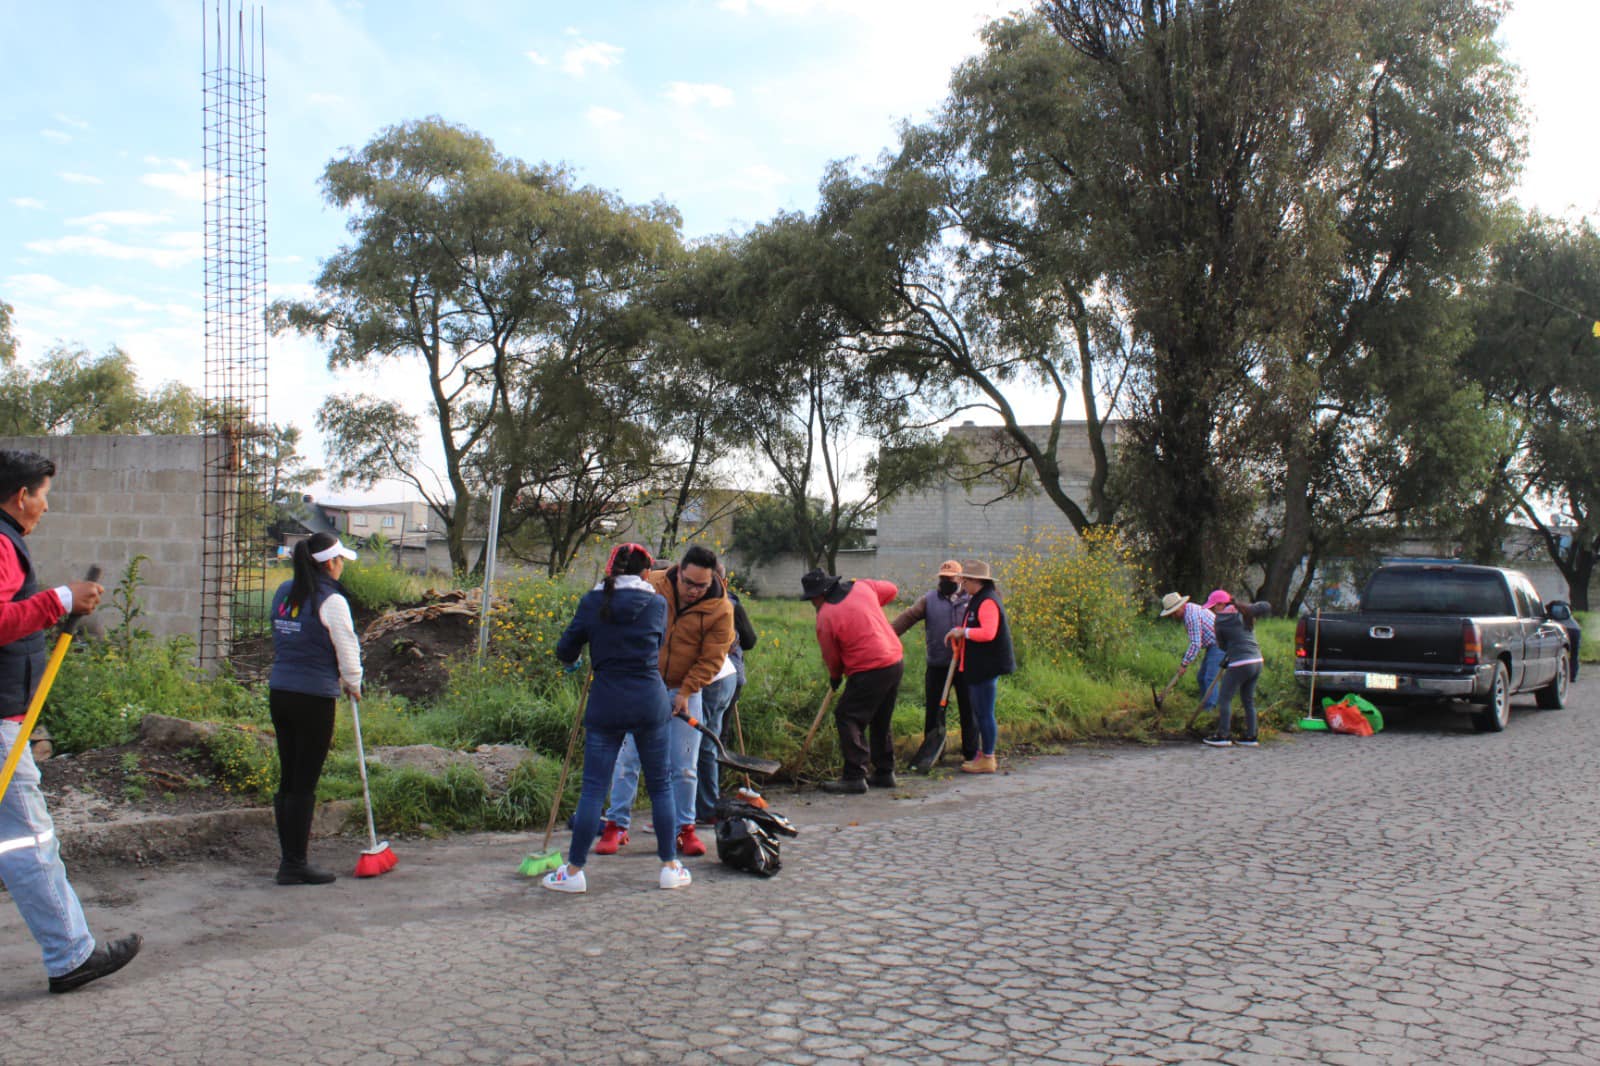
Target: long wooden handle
{"points": [[949, 679], [63, 642], [805, 748], [1316, 641], [561, 781]]}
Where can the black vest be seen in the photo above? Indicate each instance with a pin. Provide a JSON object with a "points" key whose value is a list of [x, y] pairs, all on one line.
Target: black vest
{"points": [[22, 662], [991, 658]]}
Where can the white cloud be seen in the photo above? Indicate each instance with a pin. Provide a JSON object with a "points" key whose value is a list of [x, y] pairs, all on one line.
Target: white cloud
{"points": [[688, 94], [325, 99], [55, 136], [79, 179], [537, 57], [27, 203], [172, 250], [101, 221], [603, 116], [596, 54], [760, 177], [187, 183], [68, 120]]}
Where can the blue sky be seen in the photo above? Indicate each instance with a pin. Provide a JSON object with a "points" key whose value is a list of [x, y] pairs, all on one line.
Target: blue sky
{"points": [[729, 109]]}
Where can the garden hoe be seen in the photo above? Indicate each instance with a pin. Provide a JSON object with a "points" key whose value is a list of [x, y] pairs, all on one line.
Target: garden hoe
{"points": [[805, 747], [547, 859], [378, 858], [57, 654], [1161, 697]]}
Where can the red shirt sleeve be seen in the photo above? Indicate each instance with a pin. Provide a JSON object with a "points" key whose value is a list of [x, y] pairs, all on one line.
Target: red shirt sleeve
{"points": [[884, 590], [988, 626], [22, 618]]}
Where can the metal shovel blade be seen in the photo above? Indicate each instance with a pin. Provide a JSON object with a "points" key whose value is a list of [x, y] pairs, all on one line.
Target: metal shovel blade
{"points": [[750, 764]]}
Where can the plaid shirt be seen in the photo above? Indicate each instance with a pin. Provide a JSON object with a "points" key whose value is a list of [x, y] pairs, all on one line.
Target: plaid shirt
{"points": [[1202, 627]]}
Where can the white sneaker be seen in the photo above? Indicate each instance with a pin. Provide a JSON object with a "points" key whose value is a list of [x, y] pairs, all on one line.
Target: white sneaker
{"points": [[564, 880], [674, 876]]}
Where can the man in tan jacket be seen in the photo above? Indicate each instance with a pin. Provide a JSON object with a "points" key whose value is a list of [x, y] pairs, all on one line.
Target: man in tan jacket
{"points": [[699, 633]]}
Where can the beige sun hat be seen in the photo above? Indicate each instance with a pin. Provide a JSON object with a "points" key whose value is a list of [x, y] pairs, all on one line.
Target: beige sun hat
{"points": [[950, 568], [976, 569], [1172, 603]]}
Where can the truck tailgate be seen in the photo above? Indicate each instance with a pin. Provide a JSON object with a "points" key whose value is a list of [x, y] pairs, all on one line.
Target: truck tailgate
{"points": [[1409, 642]]}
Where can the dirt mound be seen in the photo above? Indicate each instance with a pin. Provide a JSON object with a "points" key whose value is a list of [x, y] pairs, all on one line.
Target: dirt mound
{"points": [[109, 782], [407, 651]]}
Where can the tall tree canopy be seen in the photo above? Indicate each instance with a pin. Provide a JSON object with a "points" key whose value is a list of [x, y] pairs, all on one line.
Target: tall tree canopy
{"points": [[516, 293]]}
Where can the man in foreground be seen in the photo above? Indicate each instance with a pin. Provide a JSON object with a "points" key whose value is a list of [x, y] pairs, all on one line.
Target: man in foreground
{"points": [[30, 856]]}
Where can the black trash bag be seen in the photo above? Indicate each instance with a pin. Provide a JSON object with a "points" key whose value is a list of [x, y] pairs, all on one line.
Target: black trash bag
{"points": [[747, 836]]}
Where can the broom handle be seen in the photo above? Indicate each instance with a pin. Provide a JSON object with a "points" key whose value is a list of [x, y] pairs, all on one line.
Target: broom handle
{"points": [[738, 732], [361, 762], [561, 781], [59, 653], [1316, 640]]}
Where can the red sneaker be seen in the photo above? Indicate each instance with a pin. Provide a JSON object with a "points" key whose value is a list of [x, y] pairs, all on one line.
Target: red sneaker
{"points": [[612, 837], [688, 843]]}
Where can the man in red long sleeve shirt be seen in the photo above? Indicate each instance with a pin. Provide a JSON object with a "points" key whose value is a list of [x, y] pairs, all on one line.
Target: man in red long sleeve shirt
{"points": [[858, 643], [30, 856]]}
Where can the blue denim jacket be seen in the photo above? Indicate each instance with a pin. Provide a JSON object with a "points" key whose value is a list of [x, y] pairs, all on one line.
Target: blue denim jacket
{"points": [[624, 653]]}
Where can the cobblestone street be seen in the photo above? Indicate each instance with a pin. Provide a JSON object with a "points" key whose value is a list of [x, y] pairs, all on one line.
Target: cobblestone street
{"points": [[1425, 895]]}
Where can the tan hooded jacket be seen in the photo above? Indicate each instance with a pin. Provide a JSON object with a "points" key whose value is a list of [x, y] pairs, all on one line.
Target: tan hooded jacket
{"points": [[698, 637]]}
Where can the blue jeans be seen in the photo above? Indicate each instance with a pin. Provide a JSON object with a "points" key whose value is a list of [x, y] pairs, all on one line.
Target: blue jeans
{"points": [[982, 694], [1210, 663], [715, 699], [599, 758], [30, 866], [683, 749]]}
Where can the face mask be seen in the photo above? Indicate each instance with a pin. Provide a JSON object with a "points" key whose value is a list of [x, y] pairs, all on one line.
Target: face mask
{"points": [[947, 586]]}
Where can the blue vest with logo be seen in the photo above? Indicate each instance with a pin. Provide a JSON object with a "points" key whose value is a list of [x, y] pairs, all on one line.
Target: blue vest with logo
{"points": [[22, 662], [303, 658]]}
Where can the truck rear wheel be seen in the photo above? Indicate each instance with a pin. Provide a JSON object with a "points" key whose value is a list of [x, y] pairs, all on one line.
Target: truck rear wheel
{"points": [[1553, 696], [1496, 713]]}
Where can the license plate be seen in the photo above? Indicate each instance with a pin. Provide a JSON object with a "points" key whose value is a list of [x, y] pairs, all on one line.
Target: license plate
{"points": [[1382, 681]]}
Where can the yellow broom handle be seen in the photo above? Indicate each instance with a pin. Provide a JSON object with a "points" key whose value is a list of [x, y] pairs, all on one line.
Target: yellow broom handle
{"points": [[14, 756]]}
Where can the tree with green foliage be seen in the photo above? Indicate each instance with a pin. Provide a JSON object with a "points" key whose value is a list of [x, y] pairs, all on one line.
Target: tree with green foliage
{"points": [[1537, 357], [70, 391], [832, 423], [8, 339], [519, 293]]}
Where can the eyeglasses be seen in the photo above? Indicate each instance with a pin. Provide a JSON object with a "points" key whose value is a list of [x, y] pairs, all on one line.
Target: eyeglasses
{"points": [[696, 586]]}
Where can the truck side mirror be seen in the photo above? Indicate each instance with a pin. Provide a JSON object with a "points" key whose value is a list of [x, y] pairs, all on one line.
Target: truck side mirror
{"points": [[1558, 610]]}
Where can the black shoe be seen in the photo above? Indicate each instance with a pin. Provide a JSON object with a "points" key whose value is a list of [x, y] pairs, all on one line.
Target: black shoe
{"points": [[300, 872], [884, 779], [106, 959], [1248, 742], [848, 786]]}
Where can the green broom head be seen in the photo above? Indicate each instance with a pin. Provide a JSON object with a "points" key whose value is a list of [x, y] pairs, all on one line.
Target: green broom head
{"points": [[1313, 725], [540, 863]]}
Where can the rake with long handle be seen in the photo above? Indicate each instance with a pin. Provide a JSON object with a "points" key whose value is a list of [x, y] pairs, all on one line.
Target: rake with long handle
{"points": [[805, 748], [31, 719]]}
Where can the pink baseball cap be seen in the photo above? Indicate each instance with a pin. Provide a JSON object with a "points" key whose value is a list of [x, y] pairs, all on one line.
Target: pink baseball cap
{"points": [[1217, 598]]}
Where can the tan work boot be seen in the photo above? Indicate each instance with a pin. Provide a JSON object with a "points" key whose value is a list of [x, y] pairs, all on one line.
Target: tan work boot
{"points": [[981, 764]]}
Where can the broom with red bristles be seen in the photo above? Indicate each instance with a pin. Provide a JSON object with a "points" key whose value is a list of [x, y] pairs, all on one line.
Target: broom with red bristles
{"points": [[379, 858]]}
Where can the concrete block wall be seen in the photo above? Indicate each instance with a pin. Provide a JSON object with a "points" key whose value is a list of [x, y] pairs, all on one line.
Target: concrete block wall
{"points": [[119, 496]]}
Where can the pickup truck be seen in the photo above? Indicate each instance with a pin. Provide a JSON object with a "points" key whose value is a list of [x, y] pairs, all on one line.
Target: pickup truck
{"points": [[1431, 631]]}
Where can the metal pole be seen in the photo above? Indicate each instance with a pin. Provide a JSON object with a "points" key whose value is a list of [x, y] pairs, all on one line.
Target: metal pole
{"points": [[488, 573]]}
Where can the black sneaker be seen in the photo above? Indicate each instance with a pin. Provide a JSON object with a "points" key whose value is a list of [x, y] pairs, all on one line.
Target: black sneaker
{"points": [[848, 786], [303, 873], [885, 779], [106, 959], [1216, 740], [1248, 742]]}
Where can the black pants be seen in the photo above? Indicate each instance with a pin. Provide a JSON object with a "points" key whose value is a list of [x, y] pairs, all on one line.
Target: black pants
{"points": [[934, 715], [866, 710], [304, 725]]}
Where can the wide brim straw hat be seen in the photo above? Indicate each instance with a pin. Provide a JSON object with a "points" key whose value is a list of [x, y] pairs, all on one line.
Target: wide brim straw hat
{"points": [[1172, 603], [976, 569]]}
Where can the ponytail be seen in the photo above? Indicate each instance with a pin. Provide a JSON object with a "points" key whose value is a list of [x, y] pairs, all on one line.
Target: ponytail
{"points": [[306, 569], [625, 559]]}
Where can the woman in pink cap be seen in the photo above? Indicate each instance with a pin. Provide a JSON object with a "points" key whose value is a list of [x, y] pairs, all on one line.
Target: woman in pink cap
{"points": [[1241, 666]]}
